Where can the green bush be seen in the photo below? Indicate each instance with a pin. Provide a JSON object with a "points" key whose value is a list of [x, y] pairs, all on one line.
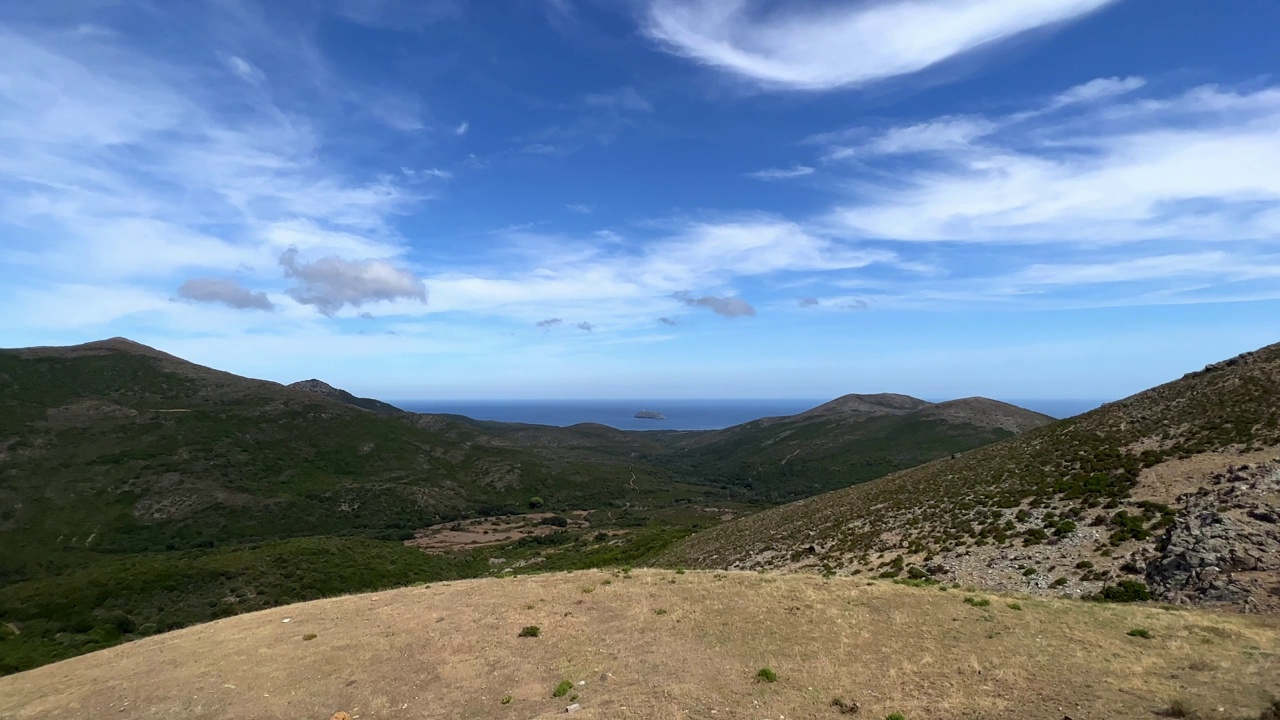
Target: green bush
{"points": [[530, 631], [1123, 591], [1139, 633], [765, 674], [977, 602], [895, 716], [562, 689]]}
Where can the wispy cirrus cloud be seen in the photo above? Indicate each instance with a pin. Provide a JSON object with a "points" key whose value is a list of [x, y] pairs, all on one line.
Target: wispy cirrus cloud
{"points": [[1203, 164], [782, 173], [832, 45]]}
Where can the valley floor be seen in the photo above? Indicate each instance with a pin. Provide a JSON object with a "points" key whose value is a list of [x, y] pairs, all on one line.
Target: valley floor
{"points": [[664, 644]]}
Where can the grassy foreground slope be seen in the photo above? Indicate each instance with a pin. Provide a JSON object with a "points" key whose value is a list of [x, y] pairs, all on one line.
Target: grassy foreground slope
{"points": [[657, 644], [1073, 483]]}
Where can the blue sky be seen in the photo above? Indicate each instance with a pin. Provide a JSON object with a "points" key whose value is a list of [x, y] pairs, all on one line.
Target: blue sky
{"points": [[648, 198]]}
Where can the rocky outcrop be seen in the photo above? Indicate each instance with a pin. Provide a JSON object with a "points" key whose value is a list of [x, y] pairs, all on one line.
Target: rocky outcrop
{"points": [[1224, 545]]}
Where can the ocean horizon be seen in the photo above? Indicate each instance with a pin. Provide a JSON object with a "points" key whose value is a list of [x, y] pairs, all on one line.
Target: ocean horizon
{"points": [[680, 414]]}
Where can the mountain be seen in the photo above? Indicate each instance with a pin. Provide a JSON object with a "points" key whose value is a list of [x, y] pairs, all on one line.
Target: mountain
{"points": [[323, 388], [1174, 491], [140, 492], [456, 650], [113, 447], [847, 441]]}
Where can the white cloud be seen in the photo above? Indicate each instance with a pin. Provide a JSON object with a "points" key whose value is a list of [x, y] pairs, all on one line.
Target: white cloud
{"points": [[830, 45], [331, 282], [245, 70], [580, 208], [1203, 165], [941, 134], [225, 291], [1097, 89], [462, 128], [782, 173]]}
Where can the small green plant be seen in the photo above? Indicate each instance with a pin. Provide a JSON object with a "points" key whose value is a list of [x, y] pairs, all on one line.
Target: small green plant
{"points": [[895, 716], [1029, 572], [530, 631], [1059, 582], [1015, 606], [765, 674], [506, 699], [679, 571], [1139, 633], [562, 689], [660, 611], [589, 589], [977, 602], [573, 697], [309, 636]]}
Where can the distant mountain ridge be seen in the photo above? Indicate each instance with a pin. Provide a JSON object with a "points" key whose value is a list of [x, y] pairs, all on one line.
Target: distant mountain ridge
{"points": [[323, 388]]}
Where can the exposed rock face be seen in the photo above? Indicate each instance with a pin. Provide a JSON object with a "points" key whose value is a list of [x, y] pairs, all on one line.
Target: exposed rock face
{"points": [[1225, 544]]}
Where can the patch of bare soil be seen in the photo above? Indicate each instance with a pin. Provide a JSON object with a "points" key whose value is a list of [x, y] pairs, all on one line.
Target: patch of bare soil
{"points": [[657, 644], [495, 530]]}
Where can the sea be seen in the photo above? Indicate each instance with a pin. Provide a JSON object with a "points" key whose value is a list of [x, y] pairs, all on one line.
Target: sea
{"points": [[681, 414]]}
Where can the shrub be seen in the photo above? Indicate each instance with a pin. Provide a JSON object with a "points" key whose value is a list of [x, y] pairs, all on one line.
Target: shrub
{"points": [[977, 602], [1177, 709], [506, 699], [536, 502], [530, 631], [1123, 591], [562, 689], [555, 521], [1059, 582], [660, 611], [765, 674], [1029, 572], [1015, 606], [679, 571], [1139, 633], [895, 716], [309, 636], [1084, 565]]}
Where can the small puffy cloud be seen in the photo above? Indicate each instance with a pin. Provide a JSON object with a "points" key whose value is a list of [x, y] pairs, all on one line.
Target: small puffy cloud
{"points": [[581, 208], [586, 326], [668, 321], [726, 306], [548, 323], [366, 316], [331, 282], [227, 292], [854, 305], [462, 128], [782, 173], [808, 302]]}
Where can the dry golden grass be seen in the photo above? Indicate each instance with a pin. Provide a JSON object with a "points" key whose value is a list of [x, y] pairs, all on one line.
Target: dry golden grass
{"points": [[451, 651]]}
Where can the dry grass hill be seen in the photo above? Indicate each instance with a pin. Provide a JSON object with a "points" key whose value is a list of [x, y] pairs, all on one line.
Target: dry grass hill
{"points": [[663, 644], [1174, 491]]}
